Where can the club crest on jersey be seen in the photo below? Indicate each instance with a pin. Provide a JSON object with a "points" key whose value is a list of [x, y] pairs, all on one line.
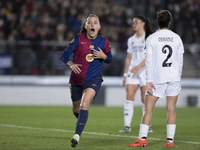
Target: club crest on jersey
{"points": [[91, 46], [89, 57], [142, 41]]}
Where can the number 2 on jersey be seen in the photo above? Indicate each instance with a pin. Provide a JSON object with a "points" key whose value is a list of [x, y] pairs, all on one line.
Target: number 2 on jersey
{"points": [[165, 64]]}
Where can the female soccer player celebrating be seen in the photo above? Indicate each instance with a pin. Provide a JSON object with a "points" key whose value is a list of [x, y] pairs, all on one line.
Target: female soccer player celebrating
{"points": [[163, 61], [134, 74], [90, 50]]}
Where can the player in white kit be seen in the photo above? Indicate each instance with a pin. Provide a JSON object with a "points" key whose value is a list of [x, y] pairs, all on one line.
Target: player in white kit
{"points": [[163, 61], [134, 73]]}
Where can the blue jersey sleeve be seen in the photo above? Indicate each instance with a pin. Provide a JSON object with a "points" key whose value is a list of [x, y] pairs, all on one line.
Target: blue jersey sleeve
{"points": [[109, 57], [107, 51], [69, 50]]}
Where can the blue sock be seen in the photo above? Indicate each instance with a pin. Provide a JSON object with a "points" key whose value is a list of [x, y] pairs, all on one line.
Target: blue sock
{"points": [[81, 122]]}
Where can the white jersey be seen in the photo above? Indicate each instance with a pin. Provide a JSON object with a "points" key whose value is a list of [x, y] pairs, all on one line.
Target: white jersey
{"points": [[136, 48], [163, 51]]}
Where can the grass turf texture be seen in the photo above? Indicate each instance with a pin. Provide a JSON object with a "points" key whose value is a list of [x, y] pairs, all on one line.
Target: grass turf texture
{"points": [[51, 128]]}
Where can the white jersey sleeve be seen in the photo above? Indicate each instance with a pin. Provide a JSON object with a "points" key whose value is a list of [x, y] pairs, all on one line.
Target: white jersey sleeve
{"points": [[129, 44], [148, 59], [163, 61]]}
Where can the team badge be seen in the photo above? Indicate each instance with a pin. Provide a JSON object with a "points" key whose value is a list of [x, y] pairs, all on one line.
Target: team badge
{"points": [[89, 57], [91, 46], [142, 41]]}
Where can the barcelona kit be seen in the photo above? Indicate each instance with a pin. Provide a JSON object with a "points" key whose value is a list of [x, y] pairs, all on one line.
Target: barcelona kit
{"points": [[81, 47]]}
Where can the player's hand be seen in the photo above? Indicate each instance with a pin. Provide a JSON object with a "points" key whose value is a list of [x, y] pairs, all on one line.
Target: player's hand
{"points": [[150, 87], [124, 81], [76, 68], [135, 69], [99, 54]]}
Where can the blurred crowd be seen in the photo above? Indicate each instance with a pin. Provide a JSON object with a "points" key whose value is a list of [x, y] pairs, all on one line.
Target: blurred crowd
{"points": [[60, 20]]}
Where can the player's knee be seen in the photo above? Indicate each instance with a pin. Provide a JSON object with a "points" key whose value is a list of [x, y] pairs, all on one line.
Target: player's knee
{"points": [[76, 109], [170, 108], [148, 110], [130, 97], [84, 106]]}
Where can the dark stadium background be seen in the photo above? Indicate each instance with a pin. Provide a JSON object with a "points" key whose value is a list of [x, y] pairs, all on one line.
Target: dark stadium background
{"points": [[33, 33]]}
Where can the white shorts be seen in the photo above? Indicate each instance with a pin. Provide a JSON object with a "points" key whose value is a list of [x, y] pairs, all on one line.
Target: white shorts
{"points": [[136, 79], [167, 89]]}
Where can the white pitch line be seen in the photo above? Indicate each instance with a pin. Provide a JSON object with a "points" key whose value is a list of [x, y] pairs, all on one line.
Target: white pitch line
{"points": [[94, 133]]}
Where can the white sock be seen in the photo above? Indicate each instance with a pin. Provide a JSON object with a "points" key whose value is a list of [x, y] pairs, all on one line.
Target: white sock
{"points": [[78, 135], [128, 112], [143, 131], [171, 131]]}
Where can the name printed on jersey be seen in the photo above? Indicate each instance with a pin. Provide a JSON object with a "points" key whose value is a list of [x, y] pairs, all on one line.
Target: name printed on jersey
{"points": [[166, 39]]}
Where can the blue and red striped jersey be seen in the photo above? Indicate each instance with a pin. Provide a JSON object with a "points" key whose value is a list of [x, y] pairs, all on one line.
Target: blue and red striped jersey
{"points": [[81, 47]]}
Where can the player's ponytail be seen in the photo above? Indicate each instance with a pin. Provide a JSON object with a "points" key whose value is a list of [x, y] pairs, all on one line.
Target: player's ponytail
{"points": [[83, 27], [164, 17], [148, 28]]}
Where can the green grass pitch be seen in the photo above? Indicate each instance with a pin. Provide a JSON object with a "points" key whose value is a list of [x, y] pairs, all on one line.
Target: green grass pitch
{"points": [[51, 128]]}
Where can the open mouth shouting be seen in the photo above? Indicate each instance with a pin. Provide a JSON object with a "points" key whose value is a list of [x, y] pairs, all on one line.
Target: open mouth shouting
{"points": [[92, 26], [92, 31]]}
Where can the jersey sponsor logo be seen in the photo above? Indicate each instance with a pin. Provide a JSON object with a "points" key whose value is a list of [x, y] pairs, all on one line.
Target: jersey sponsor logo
{"points": [[83, 42], [72, 40], [91, 46], [138, 48], [141, 48], [89, 57]]}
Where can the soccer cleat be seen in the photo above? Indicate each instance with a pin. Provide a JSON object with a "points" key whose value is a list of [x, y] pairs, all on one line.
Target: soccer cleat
{"points": [[74, 140], [169, 144], [150, 129], [139, 143], [125, 129]]}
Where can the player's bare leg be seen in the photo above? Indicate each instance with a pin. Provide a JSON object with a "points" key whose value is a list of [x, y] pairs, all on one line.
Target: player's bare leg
{"points": [[149, 106], [150, 102], [171, 120], [87, 98], [143, 91]]}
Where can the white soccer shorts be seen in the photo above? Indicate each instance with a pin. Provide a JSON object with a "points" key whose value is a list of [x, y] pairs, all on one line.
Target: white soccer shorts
{"points": [[167, 89], [136, 79]]}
